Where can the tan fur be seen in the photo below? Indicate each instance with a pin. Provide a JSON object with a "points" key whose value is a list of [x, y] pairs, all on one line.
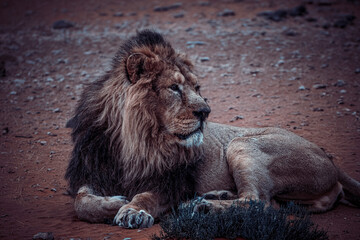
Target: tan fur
{"points": [[153, 114], [268, 164]]}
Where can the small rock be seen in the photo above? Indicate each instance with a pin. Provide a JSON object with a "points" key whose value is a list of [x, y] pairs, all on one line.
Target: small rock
{"points": [[318, 109], [204, 59], [204, 4], [302, 88], [195, 43], [13, 93], [340, 83], [344, 20], [226, 13], [53, 190], [43, 143], [167, 8], [62, 24], [319, 86], [236, 118], [179, 15], [297, 11], [118, 14], [357, 70], [43, 236], [275, 16], [5, 131], [51, 134], [325, 65], [56, 110], [290, 32]]}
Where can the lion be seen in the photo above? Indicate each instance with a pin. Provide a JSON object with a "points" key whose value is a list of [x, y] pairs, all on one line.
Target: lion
{"points": [[142, 145]]}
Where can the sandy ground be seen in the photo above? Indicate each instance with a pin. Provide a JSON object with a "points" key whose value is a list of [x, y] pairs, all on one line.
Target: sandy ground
{"points": [[301, 73]]}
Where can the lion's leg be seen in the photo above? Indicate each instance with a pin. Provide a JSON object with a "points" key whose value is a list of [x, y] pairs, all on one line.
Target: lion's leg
{"points": [[248, 166], [141, 211], [93, 208], [320, 203]]}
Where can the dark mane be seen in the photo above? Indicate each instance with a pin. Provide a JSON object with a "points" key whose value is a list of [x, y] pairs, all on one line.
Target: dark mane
{"points": [[98, 159]]}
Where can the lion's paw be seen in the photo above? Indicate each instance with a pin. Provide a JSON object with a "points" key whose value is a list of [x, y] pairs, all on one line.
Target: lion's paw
{"points": [[202, 205], [131, 218], [219, 195]]}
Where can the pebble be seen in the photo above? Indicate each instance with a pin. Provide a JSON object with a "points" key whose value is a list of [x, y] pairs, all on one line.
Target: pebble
{"points": [[179, 15], [43, 143], [357, 70], [319, 86], [340, 83], [62, 24], [204, 59], [43, 236], [56, 110], [167, 8], [302, 88], [318, 109], [281, 14], [195, 43], [118, 14], [13, 93], [325, 65], [226, 13]]}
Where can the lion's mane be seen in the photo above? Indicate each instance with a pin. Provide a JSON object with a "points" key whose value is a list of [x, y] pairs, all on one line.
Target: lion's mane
{"points": [[118, 145]]}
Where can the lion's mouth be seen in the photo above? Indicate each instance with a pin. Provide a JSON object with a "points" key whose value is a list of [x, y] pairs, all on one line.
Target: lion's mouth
{"points": [[186, 136]]}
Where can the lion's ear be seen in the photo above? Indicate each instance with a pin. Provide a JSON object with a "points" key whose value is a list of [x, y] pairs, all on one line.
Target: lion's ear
{"points": [[139, 63], [135, 66]]}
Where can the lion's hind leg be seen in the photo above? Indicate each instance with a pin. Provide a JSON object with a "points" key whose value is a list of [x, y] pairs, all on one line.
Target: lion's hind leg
{"points": [[97, 209], [317, 204]]}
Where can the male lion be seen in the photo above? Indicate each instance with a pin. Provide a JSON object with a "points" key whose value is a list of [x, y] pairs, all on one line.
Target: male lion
{"points": [[141, 145]]}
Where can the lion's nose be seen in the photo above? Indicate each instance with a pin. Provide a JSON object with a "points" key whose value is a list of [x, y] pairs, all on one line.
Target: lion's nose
{"points": [[202, 113]]}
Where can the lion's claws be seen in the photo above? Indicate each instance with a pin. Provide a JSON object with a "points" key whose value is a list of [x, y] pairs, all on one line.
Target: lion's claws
{"points": [[131, 218]]}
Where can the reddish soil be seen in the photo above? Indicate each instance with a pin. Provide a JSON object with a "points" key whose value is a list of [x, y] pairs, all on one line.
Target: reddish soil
{"points": [[255, 72]]}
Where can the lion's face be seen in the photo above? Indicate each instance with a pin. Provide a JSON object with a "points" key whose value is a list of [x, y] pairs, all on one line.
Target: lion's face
{"points": [[182, 111], [168, 93]]}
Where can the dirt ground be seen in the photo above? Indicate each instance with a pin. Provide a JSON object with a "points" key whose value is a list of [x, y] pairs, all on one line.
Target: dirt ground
{"points": [[301, 73]]}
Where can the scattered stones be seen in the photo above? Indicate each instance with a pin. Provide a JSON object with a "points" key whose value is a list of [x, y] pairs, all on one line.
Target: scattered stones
{"points": [[281, 14], [167, 8], [43, 236], [226, 13], [319, 86], [63, 24]]}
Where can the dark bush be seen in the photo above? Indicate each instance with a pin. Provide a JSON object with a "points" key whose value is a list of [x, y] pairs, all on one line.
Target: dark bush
{"points": [[255, 221]]}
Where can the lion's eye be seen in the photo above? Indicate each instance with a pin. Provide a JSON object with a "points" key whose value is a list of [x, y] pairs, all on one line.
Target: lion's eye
{"points": [[175, 88]]}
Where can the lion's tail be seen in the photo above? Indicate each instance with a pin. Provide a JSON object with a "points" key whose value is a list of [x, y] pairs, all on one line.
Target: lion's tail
{"points": [[351, 188]]}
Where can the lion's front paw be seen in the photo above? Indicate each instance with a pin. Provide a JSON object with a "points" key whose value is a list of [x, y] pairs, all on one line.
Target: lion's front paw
{"points": [[202, 205], [130, 218]]}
